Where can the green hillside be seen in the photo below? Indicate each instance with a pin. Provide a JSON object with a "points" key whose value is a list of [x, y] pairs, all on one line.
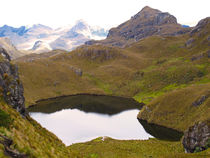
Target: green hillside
{"points": [[28, 136]]}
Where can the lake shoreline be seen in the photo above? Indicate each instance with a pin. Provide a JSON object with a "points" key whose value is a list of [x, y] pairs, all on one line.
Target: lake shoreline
{"points": [[78, 94]]}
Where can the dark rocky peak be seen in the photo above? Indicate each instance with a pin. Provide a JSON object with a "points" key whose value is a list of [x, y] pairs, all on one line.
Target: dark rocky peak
{"points": [[10, 86], [149, 16], [201, 25], [147, 22], [158, 17], [146, 12]]}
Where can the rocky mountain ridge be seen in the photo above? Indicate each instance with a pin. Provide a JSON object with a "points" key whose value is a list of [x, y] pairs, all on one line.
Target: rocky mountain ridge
{"points": [[147, 22]]}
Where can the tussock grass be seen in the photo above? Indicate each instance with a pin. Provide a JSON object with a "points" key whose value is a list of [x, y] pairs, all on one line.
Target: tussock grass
{"points": [[132, 149], [30, 138]]}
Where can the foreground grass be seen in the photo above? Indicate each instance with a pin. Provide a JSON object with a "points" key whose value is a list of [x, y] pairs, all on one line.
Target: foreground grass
{"points": [[151, 148], [29, 137]]}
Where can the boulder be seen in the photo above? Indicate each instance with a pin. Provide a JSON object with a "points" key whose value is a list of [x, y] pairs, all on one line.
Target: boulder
{"points": [[197, 137]]}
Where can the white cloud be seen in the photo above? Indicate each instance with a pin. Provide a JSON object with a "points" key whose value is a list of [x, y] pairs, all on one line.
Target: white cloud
{"points": [[105, 13]]}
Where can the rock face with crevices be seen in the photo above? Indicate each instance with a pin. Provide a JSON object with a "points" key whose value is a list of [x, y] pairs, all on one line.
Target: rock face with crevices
{"points": [[197, 137], [10, 87]]}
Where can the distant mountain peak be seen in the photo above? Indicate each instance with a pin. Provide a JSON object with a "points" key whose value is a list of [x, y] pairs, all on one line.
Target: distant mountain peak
{"points": [[81, 21], [36, 26], [80, 25]]}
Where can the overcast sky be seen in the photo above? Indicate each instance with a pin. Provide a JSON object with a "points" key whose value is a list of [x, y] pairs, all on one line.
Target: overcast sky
{"points": [[104, 13]]}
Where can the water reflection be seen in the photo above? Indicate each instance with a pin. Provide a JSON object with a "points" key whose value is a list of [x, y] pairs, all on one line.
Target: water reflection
{"points": [[73, 125], [87, 103], [82, 118], [161, 132]]}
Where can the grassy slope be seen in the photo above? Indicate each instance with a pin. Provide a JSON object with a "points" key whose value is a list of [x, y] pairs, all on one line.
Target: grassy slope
{"points": [[158, 59], [176, 110], [30, 138], [133, 149]]}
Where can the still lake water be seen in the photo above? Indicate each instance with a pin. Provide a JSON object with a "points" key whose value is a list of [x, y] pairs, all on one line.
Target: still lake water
{"points": [[82, 118]]}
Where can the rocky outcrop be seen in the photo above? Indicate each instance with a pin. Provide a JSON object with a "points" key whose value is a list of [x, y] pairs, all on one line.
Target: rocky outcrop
{"points": [[201, 100], [197, 137], [100, 52], [201, 56], [201, 24], [77, 71], [10, 86]]}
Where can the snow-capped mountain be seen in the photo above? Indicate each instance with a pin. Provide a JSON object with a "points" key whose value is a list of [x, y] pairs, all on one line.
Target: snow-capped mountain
{"points": [[43, 38]]}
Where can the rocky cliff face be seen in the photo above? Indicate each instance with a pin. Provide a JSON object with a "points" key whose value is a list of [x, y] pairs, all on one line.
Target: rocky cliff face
{"points": [[197, 138], [200, 26], [10, 86]]}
